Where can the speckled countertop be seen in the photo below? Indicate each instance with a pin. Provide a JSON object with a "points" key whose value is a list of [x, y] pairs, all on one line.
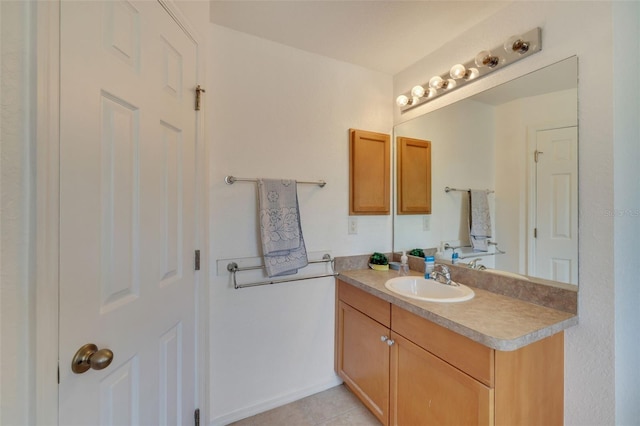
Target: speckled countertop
{"points": [[499, 322]]}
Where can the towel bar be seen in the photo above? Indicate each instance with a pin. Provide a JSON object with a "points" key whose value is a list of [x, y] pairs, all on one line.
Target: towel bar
{"points": [[229, 180], [480, 254], [233, 268], [448, 189], [476, 254]]}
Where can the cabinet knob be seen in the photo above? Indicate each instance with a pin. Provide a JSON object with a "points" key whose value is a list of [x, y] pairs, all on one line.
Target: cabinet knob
{"points": [[384, 338], [390, 342]]}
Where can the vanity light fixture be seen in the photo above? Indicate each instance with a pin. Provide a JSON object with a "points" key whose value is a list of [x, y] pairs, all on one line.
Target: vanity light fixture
{"points": [[487, 61]]}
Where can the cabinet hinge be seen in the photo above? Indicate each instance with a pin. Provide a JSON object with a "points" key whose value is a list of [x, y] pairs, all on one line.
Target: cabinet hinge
{"points": [[58, 373], [197, 260], [535, 232], [196, 417], [199, 92]]}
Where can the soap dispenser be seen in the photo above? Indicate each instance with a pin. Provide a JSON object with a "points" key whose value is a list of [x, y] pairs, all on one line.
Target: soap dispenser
{"points": [[404, 265]]}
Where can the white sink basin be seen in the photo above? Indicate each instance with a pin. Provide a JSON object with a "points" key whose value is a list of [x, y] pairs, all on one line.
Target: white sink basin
{"points": [[429, 290]]}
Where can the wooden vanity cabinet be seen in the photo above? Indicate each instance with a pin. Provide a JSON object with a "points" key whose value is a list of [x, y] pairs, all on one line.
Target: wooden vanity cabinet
{"points": [[362, 353], [430, 375], [426, 390], [364, 361]]}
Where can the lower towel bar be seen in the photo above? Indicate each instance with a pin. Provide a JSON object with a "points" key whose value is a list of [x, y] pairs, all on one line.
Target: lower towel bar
{"points": [[233, 268], [477, 253]]}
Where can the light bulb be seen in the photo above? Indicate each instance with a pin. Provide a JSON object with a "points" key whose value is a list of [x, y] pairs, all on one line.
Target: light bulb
{"points": [[516, 44], [458, 71], [449, 84], [485, 59], [402, 100], [472, 73], [436, 82], [431, 92], [417, 91]]}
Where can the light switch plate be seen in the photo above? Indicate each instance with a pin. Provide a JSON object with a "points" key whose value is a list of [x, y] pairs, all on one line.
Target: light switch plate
{"points": [[353, 225], [426, 223]]}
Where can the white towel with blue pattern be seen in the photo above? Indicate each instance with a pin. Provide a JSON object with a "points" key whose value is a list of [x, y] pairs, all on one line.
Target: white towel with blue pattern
{"points": [[480, 220], [283, 246]]}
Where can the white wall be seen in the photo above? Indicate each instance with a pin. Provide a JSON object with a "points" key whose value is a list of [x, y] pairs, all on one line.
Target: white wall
{"points": [[275, 111], [626, 212], [513, 119], [568, 28]]}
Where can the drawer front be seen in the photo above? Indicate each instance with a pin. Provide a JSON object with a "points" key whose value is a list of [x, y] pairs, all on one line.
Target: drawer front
{"points": [[463, 353], [366, 303]]}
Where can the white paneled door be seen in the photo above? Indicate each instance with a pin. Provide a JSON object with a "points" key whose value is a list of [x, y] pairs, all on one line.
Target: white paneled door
{"points": [[127, 214], [556, 243]]}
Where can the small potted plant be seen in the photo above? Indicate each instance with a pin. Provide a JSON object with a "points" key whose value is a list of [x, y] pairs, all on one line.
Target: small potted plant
{"points": [[418, 252], [379, 262]]}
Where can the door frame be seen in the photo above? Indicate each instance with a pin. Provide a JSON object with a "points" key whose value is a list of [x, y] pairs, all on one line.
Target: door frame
{"points": [[529, 245], [47, 235]]}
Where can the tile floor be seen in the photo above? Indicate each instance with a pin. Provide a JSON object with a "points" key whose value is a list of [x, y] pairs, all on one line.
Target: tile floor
{"points": [[334, 407]]}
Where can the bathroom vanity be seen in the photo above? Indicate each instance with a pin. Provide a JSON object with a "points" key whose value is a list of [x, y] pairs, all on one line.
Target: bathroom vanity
{"points": [[492, 360]]}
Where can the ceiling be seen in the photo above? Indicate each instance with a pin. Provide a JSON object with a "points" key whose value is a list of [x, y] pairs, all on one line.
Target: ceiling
{"points": [[384, 35]]}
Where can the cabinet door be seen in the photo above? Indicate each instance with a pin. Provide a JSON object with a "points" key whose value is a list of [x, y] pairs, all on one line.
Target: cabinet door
{"points": [[369, 172], [413, 176], [427, 391], [363, 359]]}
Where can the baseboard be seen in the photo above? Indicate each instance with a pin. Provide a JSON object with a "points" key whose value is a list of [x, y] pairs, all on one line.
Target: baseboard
{"points": [[273, 403]]}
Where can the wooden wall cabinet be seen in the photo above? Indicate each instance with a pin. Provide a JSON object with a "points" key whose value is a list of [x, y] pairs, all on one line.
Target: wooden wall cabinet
{"points": [[411, 371], [413, 176], [369, 173]]}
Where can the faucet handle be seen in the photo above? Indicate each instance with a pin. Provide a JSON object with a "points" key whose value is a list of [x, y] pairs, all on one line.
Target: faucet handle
{"points": [[442, 274], [442, 268], [474, 264]]}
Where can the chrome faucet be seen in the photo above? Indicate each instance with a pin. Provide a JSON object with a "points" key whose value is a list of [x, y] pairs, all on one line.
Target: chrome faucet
{"points": [[475, 265], [442, 275]]}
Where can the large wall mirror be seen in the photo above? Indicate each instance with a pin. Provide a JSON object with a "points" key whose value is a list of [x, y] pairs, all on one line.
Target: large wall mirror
{"points": [[518, 141]]}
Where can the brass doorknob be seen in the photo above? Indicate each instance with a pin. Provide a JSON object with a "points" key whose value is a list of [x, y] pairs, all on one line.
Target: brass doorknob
{"points": [[89, 356]]}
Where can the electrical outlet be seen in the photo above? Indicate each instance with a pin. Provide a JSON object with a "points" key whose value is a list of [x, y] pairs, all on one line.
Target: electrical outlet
{"points": [[353, 225], [426, 223]]}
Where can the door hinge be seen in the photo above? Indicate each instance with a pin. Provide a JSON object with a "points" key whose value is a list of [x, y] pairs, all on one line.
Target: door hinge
{"points": [[535, 232], [197, 260], [536, 155], [58, 373], [199, 92], [196, 417]]}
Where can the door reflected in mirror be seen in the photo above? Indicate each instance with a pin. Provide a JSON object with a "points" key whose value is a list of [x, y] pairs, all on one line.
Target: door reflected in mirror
{"points": [[519, 140]]}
